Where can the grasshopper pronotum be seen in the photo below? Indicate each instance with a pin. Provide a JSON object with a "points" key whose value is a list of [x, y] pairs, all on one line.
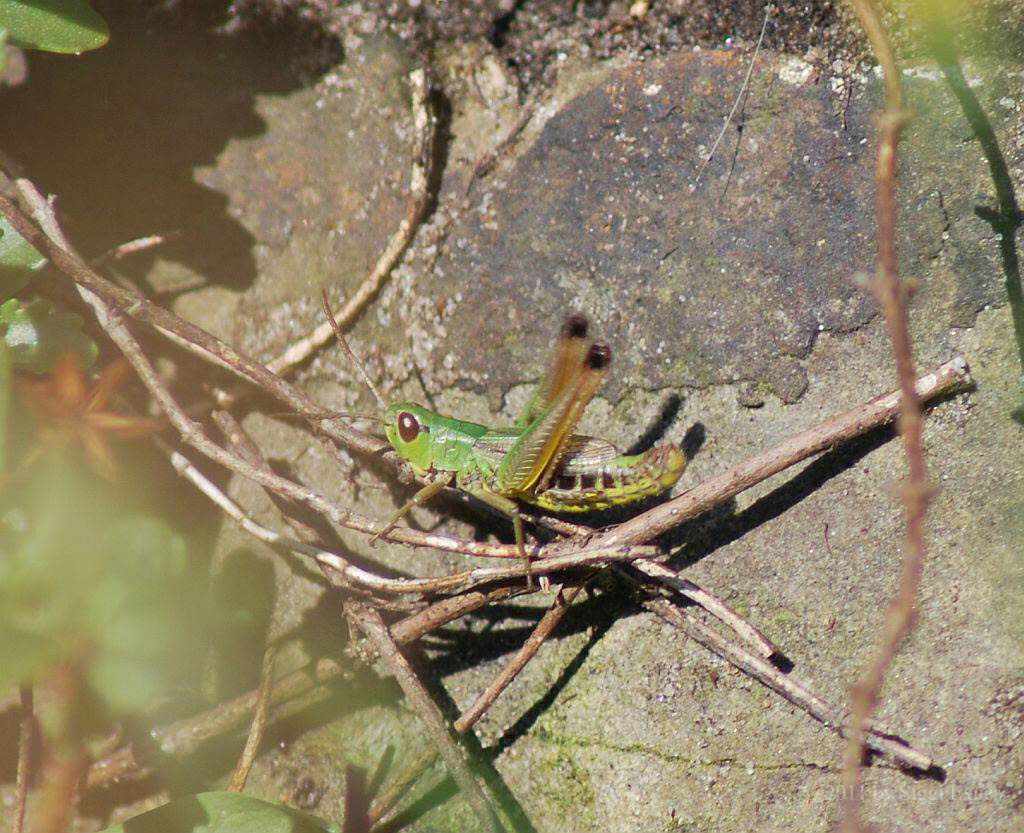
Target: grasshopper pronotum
{"points": [[539, 460]]}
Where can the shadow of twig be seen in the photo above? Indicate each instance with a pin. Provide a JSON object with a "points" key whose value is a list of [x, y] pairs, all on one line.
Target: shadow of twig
{"points": [[1008, 218]]}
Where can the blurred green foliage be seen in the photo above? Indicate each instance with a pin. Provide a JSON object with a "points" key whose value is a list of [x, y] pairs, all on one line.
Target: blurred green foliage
{"points": [[67, 26], [37, 334], [18, 260], [224, 812], [84, 582]]}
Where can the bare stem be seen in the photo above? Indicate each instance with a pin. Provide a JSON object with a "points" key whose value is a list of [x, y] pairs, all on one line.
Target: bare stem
{"points": [[711, 603], [831, 716], [855, 422]]}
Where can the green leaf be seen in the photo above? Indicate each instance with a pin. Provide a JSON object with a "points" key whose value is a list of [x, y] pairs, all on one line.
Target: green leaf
{"points": [[223, 812], [68, 26], [37, 335], [18, 259]]}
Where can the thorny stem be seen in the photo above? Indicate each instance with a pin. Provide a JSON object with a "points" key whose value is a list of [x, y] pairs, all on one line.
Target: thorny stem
{"points": [[899, 616]]}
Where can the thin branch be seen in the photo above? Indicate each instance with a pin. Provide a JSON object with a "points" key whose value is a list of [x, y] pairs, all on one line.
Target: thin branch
{"points": [[342, 570], [26, 738], [765, 648], [258, 725], [131, 247], [369, 622], [386, 801], [830, 716], [446, 610], [855, 422], [899, 616], [549, 621], [419, 198], [487, 161], [182, 332], [589, 556]]}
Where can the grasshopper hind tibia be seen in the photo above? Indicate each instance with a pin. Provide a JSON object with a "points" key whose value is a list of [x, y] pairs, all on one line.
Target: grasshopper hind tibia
{"points": [[575, 326], [599, 356]]}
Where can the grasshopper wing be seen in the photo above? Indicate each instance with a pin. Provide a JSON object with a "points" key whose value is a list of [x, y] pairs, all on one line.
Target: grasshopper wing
{"points": [[534, 457], [567, 358]]}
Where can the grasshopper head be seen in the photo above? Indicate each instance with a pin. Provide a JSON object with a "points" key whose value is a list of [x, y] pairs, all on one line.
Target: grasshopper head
{"points": [[407, 427]]}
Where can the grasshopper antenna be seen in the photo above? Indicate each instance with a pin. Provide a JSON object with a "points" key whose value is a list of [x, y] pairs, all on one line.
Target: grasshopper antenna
{"points": [[322, 415], [348, 349]]}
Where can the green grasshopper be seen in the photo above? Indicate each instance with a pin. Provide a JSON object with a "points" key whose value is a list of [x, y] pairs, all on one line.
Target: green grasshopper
{"points": [[539, 460]]}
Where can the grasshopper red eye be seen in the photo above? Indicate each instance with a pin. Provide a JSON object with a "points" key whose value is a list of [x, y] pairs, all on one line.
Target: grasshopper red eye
{"points": [[408, 427]]}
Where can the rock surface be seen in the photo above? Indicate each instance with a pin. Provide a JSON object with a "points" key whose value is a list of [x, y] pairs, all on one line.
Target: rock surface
{"points": [[745, 280]]}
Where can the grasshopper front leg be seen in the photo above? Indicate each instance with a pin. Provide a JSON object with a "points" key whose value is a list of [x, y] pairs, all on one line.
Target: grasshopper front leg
{"points": [[418, 499]]}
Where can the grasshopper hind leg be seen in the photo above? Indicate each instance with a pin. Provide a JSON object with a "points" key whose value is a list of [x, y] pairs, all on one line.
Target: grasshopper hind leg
{"points": [[508, 507]]}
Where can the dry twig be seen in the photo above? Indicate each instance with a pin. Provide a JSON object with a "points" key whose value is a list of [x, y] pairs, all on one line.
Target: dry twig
{"points": [[26, 737], [182, 332], [768, 675], [764, 647], [257, 725], [833, 432], [544, 628], [419, 198], [369, 622]]}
